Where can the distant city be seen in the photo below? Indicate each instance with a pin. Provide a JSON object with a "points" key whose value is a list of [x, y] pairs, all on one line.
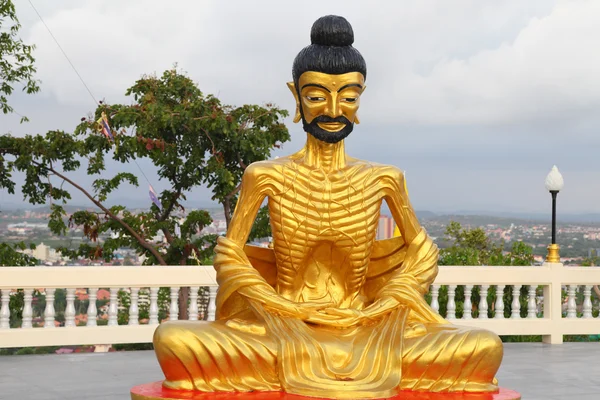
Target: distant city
{"points": [[578, 240]]}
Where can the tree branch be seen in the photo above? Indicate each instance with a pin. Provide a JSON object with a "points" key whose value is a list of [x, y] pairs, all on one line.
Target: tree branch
{"points": [[133, 233]]}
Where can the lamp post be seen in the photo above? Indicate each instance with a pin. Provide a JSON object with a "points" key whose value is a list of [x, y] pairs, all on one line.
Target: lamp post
{"points": [[554, 183]]}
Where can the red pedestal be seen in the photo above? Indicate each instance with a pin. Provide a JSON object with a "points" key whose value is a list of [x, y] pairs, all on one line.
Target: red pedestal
{"points": [[155, 391]]}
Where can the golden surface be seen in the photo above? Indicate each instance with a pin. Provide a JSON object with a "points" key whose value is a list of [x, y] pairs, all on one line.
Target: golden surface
{"points": [[328, 311], [553, 254]]}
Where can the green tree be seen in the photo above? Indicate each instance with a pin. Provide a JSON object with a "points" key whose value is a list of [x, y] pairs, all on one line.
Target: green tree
{"points": [[16, 58], [190, 137], [12, 257], [474, 247]]}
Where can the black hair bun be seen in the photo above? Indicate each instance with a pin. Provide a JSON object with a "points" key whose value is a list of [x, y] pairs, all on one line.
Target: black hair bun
{"points": [[332, 30]]}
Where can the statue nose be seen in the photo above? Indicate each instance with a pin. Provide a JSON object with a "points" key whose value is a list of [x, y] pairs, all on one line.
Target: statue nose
{"points": [[333, 108]]}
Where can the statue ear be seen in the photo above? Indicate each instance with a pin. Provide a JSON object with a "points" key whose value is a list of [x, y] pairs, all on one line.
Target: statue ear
{"points": [[356, 120], [292, 88]]}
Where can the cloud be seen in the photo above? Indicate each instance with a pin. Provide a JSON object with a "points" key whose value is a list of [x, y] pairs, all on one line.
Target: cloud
{"points": [[485, 94], [549, 71], [429, 62]]}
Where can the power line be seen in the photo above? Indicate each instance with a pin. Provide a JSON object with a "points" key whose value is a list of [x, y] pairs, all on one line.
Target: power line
{"points": [[76, 72], [65, 54]]}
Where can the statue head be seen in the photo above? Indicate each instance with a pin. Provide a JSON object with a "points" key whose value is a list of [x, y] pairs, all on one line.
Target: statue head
{"points": [[329, 77]]}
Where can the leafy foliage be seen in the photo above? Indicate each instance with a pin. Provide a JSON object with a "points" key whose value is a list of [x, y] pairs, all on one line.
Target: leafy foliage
{"points": [[10, 256], [16, 58], [191, 138]]}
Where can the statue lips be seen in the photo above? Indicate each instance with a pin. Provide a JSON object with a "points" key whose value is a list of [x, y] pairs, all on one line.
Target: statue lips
{"points": [[328, 129]]}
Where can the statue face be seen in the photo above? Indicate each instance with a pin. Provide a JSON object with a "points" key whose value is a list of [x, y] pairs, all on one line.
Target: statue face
{"points": [[328, 103]]}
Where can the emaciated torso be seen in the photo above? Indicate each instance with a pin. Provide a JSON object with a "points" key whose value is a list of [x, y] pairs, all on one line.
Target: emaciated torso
{"points": [[324, 224]]}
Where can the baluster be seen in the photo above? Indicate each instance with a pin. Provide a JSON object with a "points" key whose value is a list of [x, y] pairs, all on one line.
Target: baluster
{"points": [[5, 310], [193, 310], [113, 308], [483, 304], [27, 310], [587, 301], [212, 308], [92, 311], [451, 307], [153, 306], [516, 304], [174, 310], [468, 308], [531, 304], [70, 309], [571, 304], [134, 310], [49, 311], [435, 294], [499, 306]]}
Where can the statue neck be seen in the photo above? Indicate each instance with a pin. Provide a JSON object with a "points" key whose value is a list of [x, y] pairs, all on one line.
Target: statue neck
{"points": [[326, 156]]}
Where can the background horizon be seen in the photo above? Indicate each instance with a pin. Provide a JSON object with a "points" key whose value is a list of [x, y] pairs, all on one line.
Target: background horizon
{"points": [[475, 100]]}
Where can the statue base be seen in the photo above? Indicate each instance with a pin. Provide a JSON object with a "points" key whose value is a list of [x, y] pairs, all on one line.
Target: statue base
{"points": [[155, 391]]}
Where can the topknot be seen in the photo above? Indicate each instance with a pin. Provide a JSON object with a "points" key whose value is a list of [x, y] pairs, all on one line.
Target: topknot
{"points": [[332, 30]]}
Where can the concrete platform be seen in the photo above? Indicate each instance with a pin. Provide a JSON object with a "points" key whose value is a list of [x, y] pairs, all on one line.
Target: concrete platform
{"points": [[537, 371]]}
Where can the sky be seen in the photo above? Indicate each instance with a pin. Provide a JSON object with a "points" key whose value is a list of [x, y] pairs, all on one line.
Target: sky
{"points": [[475, 99]]}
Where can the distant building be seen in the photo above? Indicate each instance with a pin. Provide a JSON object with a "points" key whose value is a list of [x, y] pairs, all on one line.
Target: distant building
{"points": [[385, 229]]}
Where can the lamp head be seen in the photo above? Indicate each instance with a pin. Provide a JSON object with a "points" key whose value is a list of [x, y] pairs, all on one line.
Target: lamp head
{"points": [[554, 180]]}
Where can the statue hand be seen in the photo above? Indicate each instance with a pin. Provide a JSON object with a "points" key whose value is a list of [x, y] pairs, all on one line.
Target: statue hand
{"points": [[381, 307], [299, 310], [339, 317]]}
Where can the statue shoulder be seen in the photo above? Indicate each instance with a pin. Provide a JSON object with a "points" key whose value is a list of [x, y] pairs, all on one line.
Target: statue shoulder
{"points": [[390, 171], [262, 172], [379, 171]]}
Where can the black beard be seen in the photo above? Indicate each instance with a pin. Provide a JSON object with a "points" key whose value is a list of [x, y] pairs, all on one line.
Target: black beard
{"points": [[322, 134]]}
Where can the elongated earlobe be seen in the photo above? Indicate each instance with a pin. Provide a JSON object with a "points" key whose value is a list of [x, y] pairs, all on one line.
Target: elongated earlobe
{"points": [[292, 88], [356, 120]]}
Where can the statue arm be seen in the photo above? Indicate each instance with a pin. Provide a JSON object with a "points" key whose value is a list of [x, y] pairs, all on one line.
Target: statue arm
{"points": [[234, 270], [408, 284]]}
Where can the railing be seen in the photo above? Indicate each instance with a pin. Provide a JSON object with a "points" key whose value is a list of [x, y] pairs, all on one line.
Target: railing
{"points": [[536, 307]]}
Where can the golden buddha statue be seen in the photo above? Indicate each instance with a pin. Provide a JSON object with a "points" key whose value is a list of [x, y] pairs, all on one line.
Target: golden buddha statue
{"points": [[328, 311]]}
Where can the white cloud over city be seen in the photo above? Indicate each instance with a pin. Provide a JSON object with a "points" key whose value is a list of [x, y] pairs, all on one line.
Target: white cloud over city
{"points": [[476, 99]]}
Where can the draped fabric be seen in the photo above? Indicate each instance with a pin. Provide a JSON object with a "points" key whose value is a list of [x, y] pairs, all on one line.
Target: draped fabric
{"points": [[249, 348]]}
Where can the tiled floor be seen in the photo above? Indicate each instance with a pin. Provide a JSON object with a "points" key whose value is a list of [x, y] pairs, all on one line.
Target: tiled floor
{"points": [[540, 372]]}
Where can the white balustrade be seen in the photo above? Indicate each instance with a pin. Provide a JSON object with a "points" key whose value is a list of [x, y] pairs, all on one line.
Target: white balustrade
{"points": [[70, 309], [435, 293], [174, 309], [5, 310], [571, 302], [451, 306], [212, 307], [134, 311], [27, 310], [468, 305], [531, 304], [49, 311], [499, 305], [483, 304], [92, 311], [587, 301], [113, 308], [193, 310], [550, 277], [153, 306], [515, 312]]}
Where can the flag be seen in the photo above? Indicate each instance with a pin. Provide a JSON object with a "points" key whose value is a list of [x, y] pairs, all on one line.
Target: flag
{"points": [[104, 127], [154, 198]]}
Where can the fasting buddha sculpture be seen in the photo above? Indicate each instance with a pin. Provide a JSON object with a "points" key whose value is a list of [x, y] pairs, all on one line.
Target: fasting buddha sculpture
{"points": [[328, 311]]}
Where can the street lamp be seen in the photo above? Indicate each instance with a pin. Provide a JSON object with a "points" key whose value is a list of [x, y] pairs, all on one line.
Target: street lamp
{"points": [[554, 184]]}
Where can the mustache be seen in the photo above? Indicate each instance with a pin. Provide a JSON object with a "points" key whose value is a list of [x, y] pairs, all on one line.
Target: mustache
{"points": [[325, 119]]}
